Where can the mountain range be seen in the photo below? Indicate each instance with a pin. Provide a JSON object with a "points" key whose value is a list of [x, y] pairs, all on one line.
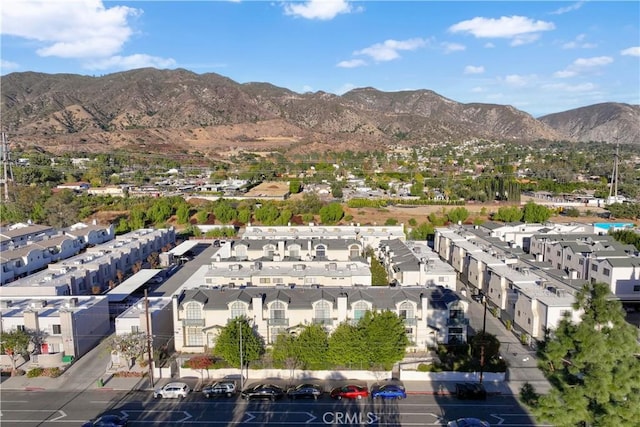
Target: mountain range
{"points": [[178, 111]]}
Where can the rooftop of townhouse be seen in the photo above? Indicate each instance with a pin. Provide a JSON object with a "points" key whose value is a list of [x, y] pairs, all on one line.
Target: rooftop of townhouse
{"points": [[412, 255], [155, 304], [321, 231], [24, 230], [287, 268], [298, 298], [543, 288], [46, 306], [303, 243]]}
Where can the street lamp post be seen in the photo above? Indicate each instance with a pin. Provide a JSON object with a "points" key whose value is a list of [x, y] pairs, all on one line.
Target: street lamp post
{"points": [[482, 343]]}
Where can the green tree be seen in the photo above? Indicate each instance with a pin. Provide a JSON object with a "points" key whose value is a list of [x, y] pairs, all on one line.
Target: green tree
{"points": [[224, 212], [312, 347], [295, 186], [182, 213], [228, 343], [15, 345], [592, 365], [347, 346], [386, 337], [422, 232], [379, 276], [267, 214], [536, 213], [61, 209], [456, 215], [331, 213], [285, 351], [508, 214]]}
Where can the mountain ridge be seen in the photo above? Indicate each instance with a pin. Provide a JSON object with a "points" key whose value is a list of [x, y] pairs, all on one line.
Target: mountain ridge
{"points": [[180, 110]]}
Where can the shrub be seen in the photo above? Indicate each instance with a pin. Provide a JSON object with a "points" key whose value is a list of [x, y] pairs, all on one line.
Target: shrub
{"points": [[34, 372], [51, 372]]}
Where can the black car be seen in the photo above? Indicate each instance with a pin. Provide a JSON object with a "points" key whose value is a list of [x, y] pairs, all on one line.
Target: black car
{"points": [[471, 391], [262, 391], [305, 391], [109, 420]]}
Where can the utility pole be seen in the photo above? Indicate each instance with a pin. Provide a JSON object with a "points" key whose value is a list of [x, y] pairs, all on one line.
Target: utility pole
{"points": [[149, 337], [7, 171], [482, 343], [615, 174]]}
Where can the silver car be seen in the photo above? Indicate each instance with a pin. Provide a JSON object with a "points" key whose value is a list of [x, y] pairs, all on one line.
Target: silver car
{"points": [[172, 391]]}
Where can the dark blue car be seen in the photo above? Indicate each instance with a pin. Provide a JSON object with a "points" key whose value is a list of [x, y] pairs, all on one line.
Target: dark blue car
{"points": [[389, 391]]}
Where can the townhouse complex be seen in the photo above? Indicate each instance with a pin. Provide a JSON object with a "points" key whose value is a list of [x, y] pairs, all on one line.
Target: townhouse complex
{"points": [[529, 274], [76, 286]]}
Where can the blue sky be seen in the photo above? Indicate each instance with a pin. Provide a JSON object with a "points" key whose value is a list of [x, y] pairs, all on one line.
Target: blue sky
{"points": [[541, 57]]}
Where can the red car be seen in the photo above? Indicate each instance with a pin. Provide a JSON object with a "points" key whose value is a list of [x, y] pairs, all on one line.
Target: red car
{"points": [[350, 392]]}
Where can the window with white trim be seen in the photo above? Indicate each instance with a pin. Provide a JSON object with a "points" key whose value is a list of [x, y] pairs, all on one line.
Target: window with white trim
{"points": [[238, 309]]}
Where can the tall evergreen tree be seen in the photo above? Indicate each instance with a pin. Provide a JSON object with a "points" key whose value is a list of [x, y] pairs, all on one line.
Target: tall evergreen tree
{"points": [[593, 366]]}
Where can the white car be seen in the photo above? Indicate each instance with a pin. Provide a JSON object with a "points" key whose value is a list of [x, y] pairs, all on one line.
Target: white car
{"points": [[172, 391]]}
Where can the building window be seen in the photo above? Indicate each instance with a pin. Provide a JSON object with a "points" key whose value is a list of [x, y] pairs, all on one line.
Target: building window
{"points": [[57, 329], [354, 251], [238, 309], [606, 272], [193, 311], [269, 250], [241, 251], [518, 313], [568, 257], [359, 309], [406, 310], [408, 331], [323, 310], [135, 329], [321, 251], [194, 336], [581, 261], [294, 251], [265, 280], [528, 320], [557, 253], [278, 280], [594, 267], [277, 310], [636, 288], [20, 328]]}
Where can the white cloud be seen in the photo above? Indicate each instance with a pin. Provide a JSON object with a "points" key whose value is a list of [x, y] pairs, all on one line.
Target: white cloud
{"points": [[478, 89], [452, 47], [519, 28], [323, 10], [579, 43], [518, 80], [564, 87], [7, 66], [596, 61], [631, 51], [75, 29], [564, 74], [389, 49], [489, 45], [582, 65], [130, 62], [472, 69], [345, 88], [566, 9], [353, 63]]}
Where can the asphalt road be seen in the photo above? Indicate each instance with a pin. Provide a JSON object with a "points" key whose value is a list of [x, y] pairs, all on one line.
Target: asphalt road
{"points": [[72, 409]]}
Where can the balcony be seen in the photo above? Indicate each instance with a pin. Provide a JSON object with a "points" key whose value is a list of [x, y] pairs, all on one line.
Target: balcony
{"points": [[322, 321], [410, 321], [278, 322], [192, 322], [457, 321]]}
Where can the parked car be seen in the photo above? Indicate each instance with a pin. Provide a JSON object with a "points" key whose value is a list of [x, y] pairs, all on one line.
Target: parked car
{"points": [[350, 392], [220, 388], [307, 390], [468, 422], [108, 420], [471, 391], [262, 391], [172, 390], [389, 391]]}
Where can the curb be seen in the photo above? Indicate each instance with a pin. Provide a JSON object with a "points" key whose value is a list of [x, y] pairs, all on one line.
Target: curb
{"points": [[35, 389]]}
